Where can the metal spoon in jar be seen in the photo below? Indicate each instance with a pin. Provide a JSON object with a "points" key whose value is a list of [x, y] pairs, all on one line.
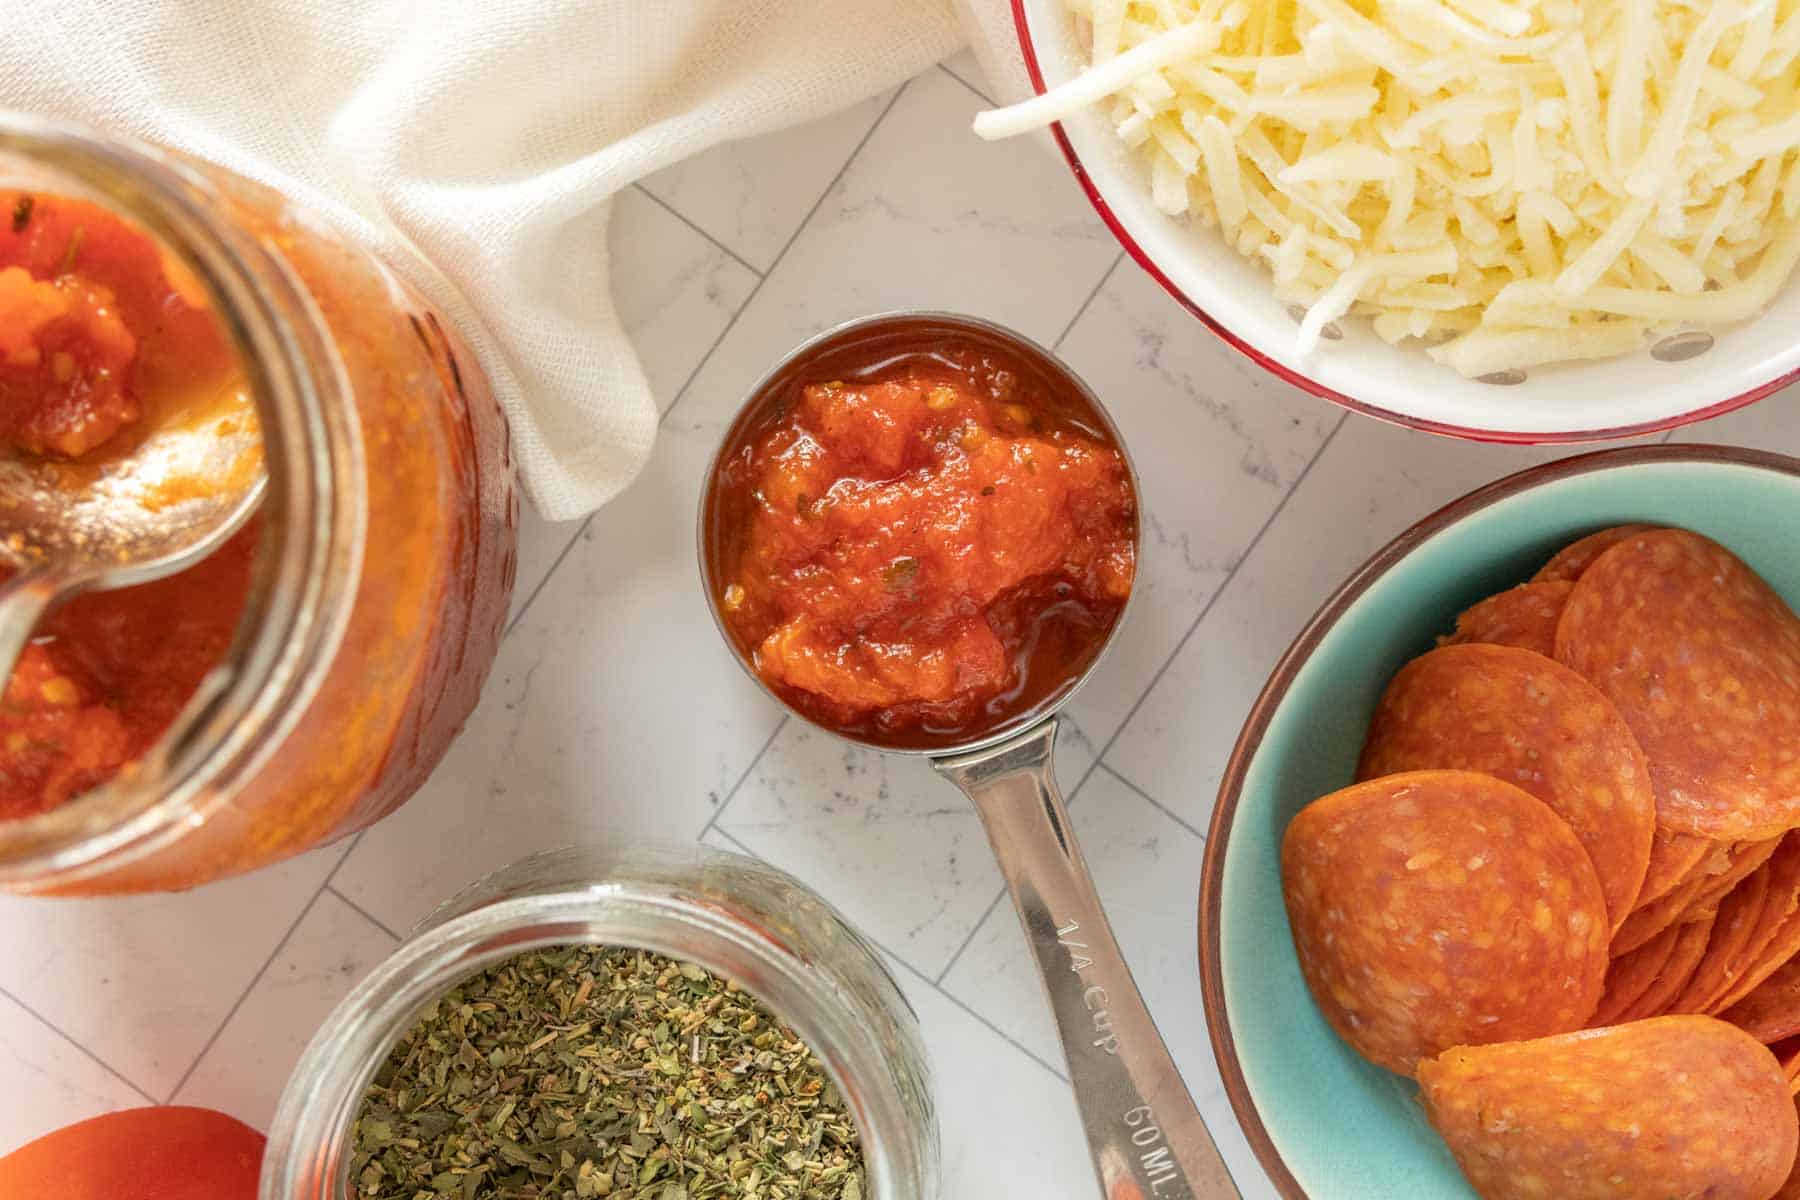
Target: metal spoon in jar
{"points": [[72, 528], [1146, 1135]]}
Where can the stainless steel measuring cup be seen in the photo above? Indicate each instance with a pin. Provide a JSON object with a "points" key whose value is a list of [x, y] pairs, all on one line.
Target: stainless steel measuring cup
{"points": [[1146, 1136]]}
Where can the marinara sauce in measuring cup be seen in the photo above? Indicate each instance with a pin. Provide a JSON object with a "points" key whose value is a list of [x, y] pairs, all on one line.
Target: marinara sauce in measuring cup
{"points": [[921, 539]]}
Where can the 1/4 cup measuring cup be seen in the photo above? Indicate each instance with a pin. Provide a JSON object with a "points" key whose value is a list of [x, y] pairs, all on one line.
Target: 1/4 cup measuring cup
{"points": [[1146, 1136]]}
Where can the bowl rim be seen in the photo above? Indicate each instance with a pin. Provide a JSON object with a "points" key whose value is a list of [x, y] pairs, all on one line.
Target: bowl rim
{"points": [[1034, 70], [1274, 694]]}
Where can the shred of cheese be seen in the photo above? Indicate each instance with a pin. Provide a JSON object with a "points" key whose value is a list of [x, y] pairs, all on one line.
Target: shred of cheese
{"points": [[1506, 182]]}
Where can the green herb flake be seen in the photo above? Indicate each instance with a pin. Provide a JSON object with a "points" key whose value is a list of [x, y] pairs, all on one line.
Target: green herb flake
{"points": [[68, 258], [899, 574], [590, 1071]]}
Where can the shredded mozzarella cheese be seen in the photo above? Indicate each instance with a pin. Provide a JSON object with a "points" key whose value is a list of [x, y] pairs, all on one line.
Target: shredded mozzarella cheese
{"points": [[1510, 182]]}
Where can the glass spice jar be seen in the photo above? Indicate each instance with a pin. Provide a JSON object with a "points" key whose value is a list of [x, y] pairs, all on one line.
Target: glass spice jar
{"points": [[734, 916], [385, 545]]}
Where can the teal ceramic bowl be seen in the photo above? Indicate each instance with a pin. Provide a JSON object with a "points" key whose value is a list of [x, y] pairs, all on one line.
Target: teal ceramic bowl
{"points": [[1326, 1124]]}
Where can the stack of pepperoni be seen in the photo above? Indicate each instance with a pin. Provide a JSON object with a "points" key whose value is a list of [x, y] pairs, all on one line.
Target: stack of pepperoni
{"points": [[1565, 894]]}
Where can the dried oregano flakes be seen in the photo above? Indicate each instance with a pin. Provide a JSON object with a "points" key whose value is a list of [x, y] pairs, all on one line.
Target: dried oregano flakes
{"points": [[584, 1071]]}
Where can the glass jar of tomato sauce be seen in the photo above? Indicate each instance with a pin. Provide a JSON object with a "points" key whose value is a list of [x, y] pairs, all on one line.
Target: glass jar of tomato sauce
{"points": [[313, 670]]}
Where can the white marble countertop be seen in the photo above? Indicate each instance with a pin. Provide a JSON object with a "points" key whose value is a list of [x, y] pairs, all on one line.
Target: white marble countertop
{"points": [[614, 706]]}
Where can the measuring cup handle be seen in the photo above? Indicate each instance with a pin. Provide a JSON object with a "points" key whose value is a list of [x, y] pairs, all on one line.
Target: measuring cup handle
{"points": [[23, 601], [1146, 1136]]}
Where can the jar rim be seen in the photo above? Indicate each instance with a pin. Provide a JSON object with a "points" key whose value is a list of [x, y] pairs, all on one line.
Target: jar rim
{"points": [[308, 1151], [286, 631]]}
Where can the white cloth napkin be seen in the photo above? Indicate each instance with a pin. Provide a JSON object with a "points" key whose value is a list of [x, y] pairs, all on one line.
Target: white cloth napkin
{"points": [[482, 136], [995, 40]]}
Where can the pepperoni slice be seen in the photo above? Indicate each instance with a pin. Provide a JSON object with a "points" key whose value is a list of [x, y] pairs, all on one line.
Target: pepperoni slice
{"points": [[1788, 1055], [1673, 857], [1782, 947], [1691, 938], [1761, 956], [1702, 659], [1678, 1106], [1791, 1189], [1782, 904], [1746, 859], [1572, 561], [1440, 908], [1738, 914], [1524, 719], [1524, 617], [1699, 895], [1771, 1012], [1631, 975], [1651, 919]]}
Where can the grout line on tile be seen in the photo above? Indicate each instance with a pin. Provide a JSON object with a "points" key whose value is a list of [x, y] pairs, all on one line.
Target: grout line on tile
{"points": [[989, 1025], [742, 847], [268, 962], [682, 391], [85, 1052], [1086, 304], [1124, 724], [242, 996], [331, 875], [926, 979], [782, 254], [979, 94], [362, 912], [1219, 592], [1000, 896], [969, 939], [761, 278], [1152, 801], [678, 215], [849, 159], [532, 599], [731, 795]]}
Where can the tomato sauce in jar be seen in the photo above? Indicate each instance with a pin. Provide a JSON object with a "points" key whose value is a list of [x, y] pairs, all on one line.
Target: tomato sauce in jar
{"points": [[102, 339], [918, 541], [102, 336], [341, 640]]}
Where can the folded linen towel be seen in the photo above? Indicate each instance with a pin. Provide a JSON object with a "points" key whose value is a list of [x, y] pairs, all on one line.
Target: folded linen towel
{"points": [[475, 144]]}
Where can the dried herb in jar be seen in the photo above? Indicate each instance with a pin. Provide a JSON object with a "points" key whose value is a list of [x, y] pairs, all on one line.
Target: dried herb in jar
{"points": [[585, 1071]]}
